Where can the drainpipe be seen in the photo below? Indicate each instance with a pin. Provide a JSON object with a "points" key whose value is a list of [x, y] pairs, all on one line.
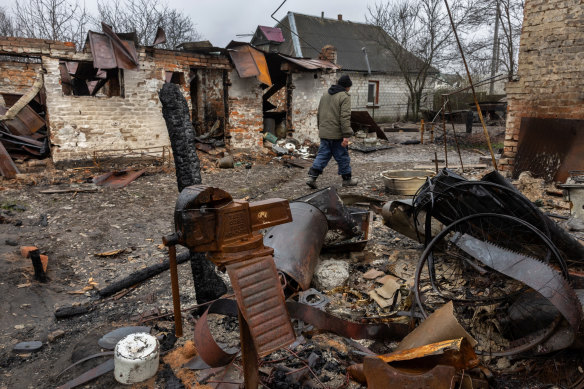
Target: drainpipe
{"points": [[366, 60], [295, 40]]}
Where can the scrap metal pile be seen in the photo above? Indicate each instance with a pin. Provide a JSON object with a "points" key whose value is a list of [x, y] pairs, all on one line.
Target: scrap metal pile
{"points": [[496, 278], [504, 265]]}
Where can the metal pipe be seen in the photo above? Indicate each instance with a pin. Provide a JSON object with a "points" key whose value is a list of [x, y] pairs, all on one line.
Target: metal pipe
{"points": [[455, 136], [175, 292], [364, 49], [444, 132], [472, 87]]}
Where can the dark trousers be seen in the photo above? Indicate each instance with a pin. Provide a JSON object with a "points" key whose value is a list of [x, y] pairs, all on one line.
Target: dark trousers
{"points": [[331, 148]]}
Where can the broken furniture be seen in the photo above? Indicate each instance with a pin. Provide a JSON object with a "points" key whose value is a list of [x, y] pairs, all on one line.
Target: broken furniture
{"points": [[208, 220]]}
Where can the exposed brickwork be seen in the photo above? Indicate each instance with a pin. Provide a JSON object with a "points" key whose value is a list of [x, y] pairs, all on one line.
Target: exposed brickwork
{"points": [[551, 71], [17, 77], [80, 125], [245, 113]]}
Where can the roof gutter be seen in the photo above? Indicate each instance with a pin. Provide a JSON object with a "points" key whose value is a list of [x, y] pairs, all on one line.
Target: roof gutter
{"points": [[295, 40]]}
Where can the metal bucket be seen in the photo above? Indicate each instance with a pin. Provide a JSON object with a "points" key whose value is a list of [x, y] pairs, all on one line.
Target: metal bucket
{"points": [[297, 244]]}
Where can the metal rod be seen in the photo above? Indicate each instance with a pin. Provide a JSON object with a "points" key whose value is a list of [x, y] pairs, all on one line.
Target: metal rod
{"points": [[436, 161], [444, 132], [422, 132], [472, 87], [454, 132], [175, 292]]}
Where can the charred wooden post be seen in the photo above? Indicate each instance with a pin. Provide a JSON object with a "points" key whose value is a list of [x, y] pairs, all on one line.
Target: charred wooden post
{"points": [[37, 264], [208, 285]]}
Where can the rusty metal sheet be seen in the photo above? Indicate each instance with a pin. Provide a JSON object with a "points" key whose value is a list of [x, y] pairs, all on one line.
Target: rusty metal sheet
{"points": [[439, 326], [297, 244], [160, 37], [349, 329], [250, 62], [7, 166], [118, 179], [361, 120], [262, 64], [533, 273], [102, 51], [380, 376], [89, 375], [66, 81], [26, 122], [363, 219], [209, 351], [550, 148], [244, 63], [311, 64], [125, 51], [456, 352], [261, 300]]}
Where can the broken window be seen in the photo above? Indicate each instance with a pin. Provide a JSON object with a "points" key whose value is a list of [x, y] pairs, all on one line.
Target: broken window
{"points": [[80, 78], [373, 93], [175, 78]]}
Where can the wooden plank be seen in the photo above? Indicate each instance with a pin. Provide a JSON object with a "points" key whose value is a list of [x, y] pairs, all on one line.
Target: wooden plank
{"points": [[7, 166]]}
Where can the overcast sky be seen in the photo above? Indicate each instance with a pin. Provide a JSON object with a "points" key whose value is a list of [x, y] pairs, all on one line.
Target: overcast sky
{"points": [[220, 20]]}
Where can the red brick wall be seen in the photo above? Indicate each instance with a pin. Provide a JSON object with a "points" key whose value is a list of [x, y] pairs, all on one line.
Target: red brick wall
{"points": [[551, 68], [17, 77]]}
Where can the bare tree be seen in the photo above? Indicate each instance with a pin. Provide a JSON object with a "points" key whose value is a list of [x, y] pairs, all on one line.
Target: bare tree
{"points": [[6, 23], [144, 17], [419, 36], [48, 19], [511, 18], [498, 48]]}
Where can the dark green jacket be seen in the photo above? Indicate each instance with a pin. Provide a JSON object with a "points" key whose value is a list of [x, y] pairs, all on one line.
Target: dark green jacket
{"points": [[334, 116]]}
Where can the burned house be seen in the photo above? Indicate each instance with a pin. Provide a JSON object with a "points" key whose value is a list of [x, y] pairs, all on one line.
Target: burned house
{"points": [[545, 125], [275, 93], [98, 102], [378, 85], [103, 101]]}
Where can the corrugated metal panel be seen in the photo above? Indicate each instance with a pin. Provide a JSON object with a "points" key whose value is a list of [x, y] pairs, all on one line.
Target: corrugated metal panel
{"points": [[250, 62], [261, 300], [311, 64], [550, 148], [110, 52]]}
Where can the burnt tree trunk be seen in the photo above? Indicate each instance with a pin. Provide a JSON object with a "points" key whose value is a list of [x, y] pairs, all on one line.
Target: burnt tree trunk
{"points": [[208, 285]]}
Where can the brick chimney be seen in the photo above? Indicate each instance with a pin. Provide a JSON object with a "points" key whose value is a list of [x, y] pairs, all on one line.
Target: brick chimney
{"points": [[328, 53], [340, 16]]}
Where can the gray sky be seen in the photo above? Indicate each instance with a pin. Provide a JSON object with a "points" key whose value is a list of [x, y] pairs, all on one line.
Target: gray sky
{"points": [[220, 20]]}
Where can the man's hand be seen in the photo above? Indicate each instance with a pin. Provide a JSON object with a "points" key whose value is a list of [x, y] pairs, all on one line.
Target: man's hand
{"points": [[345, 142]]}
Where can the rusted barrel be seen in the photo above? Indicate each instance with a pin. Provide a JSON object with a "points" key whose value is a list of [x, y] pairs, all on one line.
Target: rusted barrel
{"points": [[297, 244]]}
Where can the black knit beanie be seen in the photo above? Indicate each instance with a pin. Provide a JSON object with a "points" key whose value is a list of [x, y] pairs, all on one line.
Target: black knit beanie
{"points": [[345, 81]]}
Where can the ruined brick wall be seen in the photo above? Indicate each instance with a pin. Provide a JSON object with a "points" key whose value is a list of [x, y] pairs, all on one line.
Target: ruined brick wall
{"points": [[17, 77], [245, 113], [82, 125], [308, 89], [551, 70]]}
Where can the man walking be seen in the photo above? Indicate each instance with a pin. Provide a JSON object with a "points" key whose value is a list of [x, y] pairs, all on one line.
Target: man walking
{"points": [[334, 130]]}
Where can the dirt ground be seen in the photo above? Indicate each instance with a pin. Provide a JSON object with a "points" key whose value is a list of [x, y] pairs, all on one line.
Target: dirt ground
{"points": [[71, 228]]}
